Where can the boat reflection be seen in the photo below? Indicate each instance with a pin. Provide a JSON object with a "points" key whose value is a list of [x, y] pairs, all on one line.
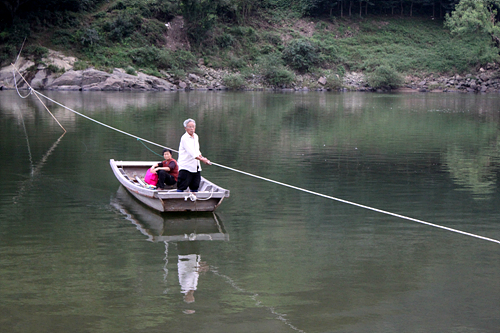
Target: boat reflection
{"points": [[164, 227], [183, 229]]}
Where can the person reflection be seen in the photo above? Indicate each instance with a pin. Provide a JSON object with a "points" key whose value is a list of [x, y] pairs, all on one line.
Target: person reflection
{"points": [[189, 268]]}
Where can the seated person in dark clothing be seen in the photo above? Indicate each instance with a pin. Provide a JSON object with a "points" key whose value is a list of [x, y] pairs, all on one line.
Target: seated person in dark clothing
{"points": [[167, 171]]}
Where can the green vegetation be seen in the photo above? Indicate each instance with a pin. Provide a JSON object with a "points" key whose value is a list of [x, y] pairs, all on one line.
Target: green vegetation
{"points": [[333, 82], [130, 70], [275, 39], [37, 52], [384, 77], [234, 81], [473, 17], [300, 54], [272, 69]]}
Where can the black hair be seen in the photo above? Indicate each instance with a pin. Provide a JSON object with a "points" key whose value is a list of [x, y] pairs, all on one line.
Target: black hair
{"points": [[165, 150]]}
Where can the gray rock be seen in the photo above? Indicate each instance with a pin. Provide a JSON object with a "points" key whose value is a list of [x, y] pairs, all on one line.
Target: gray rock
{"points": [[91, 76], [73, 78], [91, 87], [42, 78], [112, 84], [68, 88]]}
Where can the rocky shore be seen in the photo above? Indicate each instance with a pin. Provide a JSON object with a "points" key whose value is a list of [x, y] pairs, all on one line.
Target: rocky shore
{"points": [[57, 73]]}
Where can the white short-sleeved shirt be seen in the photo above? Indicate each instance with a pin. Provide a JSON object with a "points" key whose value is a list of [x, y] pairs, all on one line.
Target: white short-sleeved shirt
{"points": [[187, 266], [189, 149]]}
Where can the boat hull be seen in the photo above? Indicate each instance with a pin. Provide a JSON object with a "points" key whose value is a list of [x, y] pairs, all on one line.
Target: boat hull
{"points": [[165, 227]]}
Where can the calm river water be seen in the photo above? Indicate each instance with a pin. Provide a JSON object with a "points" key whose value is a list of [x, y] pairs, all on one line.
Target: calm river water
{"points": [[78, 254]]}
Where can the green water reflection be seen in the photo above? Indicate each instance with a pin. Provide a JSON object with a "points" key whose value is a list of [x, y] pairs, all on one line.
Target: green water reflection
{"points": [[77, 254]]}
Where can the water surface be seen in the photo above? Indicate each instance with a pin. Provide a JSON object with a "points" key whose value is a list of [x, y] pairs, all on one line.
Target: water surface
{"points": [[78, 254]]}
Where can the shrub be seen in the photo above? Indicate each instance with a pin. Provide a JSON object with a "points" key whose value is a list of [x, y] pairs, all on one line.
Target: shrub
{"points": [[37, 52], [341, 71], [273, 71], [31, 70], [279, 77], [300, 54], [163, 10], [119, 5], [266, 49], [272, 37], [243, 31], [225, 40], [123, 25], [80, 65], [321, 25], [145, 56], [90, 37], [328, 50], [130, 70], [234, 81], [99, 15], [384, 77], [184, 59], [7, 53], [63, 37], [178, 74], [152, 71], [54, 69], [152, 32], [268, 60], [166, 59], [236, 63], [334, 82]]}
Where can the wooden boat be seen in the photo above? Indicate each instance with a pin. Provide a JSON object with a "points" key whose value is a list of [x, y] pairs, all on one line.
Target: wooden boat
{"points": [[164, 227], [131, 175]]}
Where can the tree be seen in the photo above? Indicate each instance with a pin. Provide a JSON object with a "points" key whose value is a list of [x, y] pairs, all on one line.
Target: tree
{"points": [[300, 54], [201, 15], [475, 16], [16, 8], [12, 6]]}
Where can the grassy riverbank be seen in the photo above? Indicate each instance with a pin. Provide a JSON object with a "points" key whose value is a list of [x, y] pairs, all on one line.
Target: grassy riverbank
{"points": [[274, 46]]}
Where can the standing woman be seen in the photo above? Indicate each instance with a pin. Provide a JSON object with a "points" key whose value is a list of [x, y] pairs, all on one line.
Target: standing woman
{"points": [[189, 159]]}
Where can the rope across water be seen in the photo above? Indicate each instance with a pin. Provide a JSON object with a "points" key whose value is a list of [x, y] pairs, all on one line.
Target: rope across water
{"points": [[287, 185]]}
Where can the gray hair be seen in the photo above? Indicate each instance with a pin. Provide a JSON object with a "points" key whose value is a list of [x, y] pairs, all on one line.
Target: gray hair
{"points": [[187, 121]]}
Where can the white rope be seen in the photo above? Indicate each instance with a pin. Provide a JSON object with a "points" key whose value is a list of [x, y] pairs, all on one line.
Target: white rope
{"points": [[255, 297], [193, 196], [190, 196], [287, 185], [102, 124], [30, 91], [208, 198], [14, 72], [165, 268], [359, 205], [28, 144], [20, 50]]}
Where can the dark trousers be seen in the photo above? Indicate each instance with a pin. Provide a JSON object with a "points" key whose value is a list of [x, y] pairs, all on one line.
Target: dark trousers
{"points": [[188, 179], [164, 178]]}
